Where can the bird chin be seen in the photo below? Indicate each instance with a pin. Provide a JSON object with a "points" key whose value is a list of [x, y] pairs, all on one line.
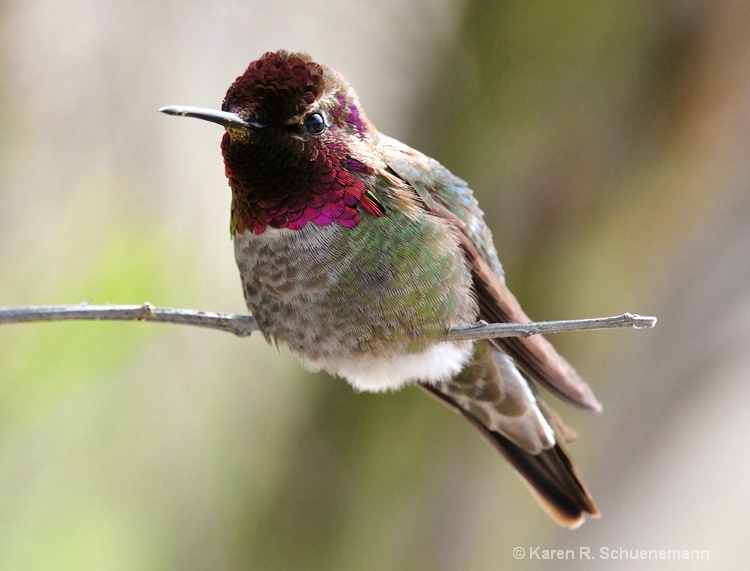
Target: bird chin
{"points": [[376, 374]]}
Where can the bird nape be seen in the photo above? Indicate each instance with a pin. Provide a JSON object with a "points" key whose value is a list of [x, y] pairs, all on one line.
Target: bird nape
{"points": [[358, 253]]}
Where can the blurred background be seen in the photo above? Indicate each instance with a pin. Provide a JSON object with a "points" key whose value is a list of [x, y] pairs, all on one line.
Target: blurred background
{"points": [[608, 144]]}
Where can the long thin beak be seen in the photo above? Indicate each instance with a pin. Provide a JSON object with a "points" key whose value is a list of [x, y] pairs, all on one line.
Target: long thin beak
{"points": [[221, 117]]}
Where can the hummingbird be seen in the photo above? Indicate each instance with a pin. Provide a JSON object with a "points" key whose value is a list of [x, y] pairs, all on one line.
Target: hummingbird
{"points": [[359, 253]]}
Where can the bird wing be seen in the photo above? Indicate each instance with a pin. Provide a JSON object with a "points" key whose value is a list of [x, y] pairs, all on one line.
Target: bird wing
{"points": [[490, 392], [449, 197]]}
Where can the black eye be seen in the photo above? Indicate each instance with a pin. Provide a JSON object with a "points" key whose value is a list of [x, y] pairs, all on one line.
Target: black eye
{"points": [[314, 123]]}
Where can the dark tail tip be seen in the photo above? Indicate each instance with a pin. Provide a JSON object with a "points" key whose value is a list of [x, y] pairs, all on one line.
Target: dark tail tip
{"points": [[550, 475]]}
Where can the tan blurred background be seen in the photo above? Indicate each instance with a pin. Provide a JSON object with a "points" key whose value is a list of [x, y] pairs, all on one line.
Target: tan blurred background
{"points": [[608, 143]]}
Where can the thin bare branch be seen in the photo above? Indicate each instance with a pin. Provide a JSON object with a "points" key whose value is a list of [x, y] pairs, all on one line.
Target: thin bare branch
{"points": [[244, 325], [240, 325], [483, 330]]}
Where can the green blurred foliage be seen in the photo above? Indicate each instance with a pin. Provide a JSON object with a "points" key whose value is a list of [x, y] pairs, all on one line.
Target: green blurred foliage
{"points": [[607, 143]]}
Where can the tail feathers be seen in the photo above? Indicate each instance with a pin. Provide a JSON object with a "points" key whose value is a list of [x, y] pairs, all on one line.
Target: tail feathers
{"points": [[550, 474]]}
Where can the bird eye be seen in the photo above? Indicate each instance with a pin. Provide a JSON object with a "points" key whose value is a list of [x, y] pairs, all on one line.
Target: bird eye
{"points": [[314, 123]]}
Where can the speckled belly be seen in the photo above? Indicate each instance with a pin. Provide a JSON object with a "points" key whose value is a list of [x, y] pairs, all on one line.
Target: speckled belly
{"points": [[343, 299]]}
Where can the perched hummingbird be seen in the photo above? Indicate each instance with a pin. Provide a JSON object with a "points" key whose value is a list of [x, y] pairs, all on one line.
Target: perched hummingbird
{"points": [[359, 253]]}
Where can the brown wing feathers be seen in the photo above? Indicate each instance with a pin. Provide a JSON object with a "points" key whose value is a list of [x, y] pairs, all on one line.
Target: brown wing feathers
{"points": [[535, 355], [549, 474]]}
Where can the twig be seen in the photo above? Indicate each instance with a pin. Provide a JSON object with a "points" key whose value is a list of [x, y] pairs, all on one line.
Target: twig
{"points": [[244, 325], [483, 330], [240, 325]]}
